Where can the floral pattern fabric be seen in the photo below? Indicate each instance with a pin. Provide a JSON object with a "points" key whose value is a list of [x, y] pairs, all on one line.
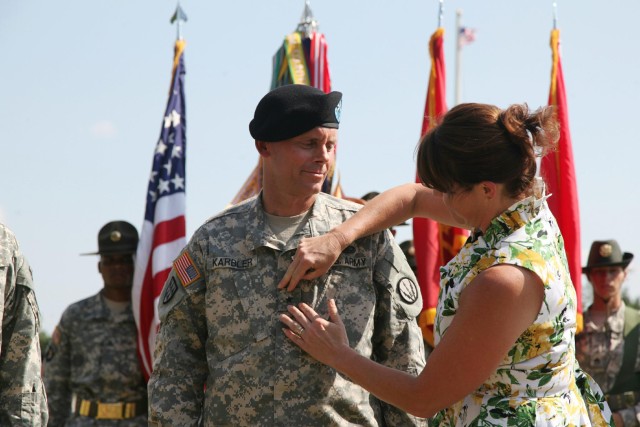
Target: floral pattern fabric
{"points": [[539, 382]]}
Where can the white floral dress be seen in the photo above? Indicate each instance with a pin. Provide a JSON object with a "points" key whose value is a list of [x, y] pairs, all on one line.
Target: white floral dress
{"points": [[539, 382]]}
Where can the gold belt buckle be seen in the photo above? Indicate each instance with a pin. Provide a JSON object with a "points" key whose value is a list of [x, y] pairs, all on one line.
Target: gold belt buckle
{"points": [[109, 411]]}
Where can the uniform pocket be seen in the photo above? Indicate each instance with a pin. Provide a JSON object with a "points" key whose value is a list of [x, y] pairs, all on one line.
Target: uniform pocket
{"points": [[231, 322], [22, 409]]}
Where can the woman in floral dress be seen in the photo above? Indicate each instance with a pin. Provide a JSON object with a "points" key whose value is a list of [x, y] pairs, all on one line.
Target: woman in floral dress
{"points": [[506, 314]]}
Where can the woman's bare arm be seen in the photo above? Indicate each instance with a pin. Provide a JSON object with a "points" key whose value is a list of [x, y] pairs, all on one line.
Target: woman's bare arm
{"points": [[495, 309], [316, 255]]}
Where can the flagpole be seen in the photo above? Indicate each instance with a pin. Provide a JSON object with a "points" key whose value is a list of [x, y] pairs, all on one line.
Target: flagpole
{"points": [[180, 17], [555, 15], [440, 13], [458, 57]]}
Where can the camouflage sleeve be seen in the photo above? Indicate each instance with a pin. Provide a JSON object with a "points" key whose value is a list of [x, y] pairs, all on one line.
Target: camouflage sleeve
{"points": [[176, 386], [57, 375], [22, 396], [397, 338]]}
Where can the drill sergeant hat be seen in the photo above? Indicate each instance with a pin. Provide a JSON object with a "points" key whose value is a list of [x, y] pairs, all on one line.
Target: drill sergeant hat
{"points": [[607, 253], [116, 237]]}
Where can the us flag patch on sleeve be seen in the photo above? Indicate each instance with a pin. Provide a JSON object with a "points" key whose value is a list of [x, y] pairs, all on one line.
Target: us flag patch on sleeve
{"points": [[186, 270]]}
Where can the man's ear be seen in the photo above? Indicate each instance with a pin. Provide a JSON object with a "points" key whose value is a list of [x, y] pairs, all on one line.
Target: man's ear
{"points": [[263, 148]]}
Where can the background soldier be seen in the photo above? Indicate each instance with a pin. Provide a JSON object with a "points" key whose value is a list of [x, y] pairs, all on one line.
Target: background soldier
{"points": [[22, 396], [608, 347], [221, 353], [92, 373]]}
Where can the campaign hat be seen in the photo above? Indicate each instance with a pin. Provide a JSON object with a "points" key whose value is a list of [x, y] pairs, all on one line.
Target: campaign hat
{"points": [[117, 237], [606, 253]]}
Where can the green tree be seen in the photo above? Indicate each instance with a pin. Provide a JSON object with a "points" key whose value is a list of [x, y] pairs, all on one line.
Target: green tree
{"points": [[635, 303], [45, 339]]}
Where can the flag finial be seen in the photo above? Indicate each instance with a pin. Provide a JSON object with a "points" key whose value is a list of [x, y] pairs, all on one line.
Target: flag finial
{"points": [[308, 23], [555, 15], [179, 16]]}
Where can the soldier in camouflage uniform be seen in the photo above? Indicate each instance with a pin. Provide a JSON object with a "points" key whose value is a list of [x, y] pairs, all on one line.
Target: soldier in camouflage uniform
{"points": [[92, 372], [608, 346], [221, 356], [22, 397]]}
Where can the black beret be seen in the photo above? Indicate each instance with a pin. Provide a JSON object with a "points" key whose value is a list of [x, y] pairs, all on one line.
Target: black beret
{"points": [[117, 237], [292, 110]]}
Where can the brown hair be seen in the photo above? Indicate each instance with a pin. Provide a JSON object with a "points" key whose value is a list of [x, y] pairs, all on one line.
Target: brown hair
{"points": [[480, 142]]}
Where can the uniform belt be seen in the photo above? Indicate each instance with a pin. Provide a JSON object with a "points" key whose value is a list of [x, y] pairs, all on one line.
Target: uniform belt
{"points": [[621, 401], [111, 410]]}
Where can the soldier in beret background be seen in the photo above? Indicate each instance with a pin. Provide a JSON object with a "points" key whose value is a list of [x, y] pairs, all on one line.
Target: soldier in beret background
{"points": [[221, 355], [92, 373], [22, 396], [607, 348]]}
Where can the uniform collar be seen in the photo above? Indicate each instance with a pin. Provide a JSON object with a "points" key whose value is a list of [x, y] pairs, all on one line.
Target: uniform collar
{"points": [[259, 233]]}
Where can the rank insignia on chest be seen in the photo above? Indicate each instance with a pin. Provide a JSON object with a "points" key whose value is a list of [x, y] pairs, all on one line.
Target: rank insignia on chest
{"points": [[186, 270]]}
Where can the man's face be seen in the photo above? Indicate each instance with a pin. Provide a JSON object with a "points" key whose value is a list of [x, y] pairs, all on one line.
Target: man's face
{"points": [[300, 165], [607, 281], [116, 270]]}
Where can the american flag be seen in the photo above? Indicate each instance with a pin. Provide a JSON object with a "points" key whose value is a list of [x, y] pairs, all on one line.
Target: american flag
{"points": [[466, 35], [164, 232]]}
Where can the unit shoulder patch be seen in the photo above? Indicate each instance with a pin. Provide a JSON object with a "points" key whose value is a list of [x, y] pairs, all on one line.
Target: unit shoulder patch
{"points": [[408, 290], [169, 290]]}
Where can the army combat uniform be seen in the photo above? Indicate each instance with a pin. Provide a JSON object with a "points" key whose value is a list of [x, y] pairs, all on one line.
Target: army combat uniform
{"points": [[92, 369], [221, 353], [611, 355], [22, 396]]}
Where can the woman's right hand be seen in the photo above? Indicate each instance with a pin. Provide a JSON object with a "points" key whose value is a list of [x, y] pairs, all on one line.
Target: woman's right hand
{"points": [[324, 339], [314, 257]]}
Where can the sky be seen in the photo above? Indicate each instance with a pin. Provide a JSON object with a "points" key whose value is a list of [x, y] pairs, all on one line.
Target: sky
{"points": [[85, 85]]}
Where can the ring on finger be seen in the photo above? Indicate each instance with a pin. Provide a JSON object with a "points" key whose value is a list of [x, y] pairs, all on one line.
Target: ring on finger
{"points": [[298, 329]]}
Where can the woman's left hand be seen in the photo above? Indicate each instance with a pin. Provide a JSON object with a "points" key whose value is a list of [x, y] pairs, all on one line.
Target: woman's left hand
{"points": [[325, 340]]}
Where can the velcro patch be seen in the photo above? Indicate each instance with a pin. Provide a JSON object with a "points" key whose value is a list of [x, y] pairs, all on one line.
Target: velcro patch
{"points": [[186, 270], [408, 290], [237, 263], [169, 290], [351, 261]]}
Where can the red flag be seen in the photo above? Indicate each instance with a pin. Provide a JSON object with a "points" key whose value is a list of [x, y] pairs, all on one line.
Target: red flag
{"points": [[163, 231], [559, 173], [435, 244]]}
